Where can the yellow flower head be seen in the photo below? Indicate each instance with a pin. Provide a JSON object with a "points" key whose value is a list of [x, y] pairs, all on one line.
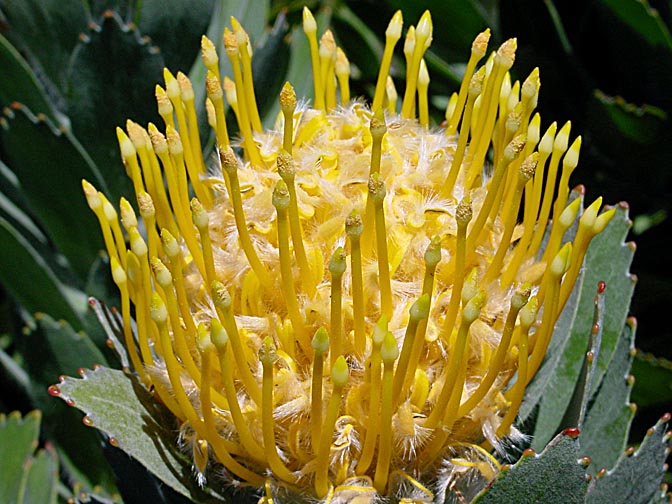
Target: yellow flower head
{"points": [[350, 304]]}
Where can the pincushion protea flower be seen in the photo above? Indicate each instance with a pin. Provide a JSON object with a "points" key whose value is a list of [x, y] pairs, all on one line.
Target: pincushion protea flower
{"points": [[349, 307]]}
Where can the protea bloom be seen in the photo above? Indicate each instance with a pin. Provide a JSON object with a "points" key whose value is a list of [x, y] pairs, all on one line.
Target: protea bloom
{"points": [[350, 306]]}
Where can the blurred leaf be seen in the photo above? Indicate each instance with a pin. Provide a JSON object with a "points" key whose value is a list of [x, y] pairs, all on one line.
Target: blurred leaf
{"points": [[299, 64], [23, 85], [644, 222], [442, 71], [121, 407], [639, 125], [270, 64], [111, 78], [608, 259], [13, 374], [642, 19], [559, 27], [31, 280], [17, 218], [456, 23], [33, 149], [554, 475], [636, 478], [97, 8], [18, 441], [604, 433], [40, 479], [62, 350], [47, 30], [115, 54], [638, 62], [653, 380], [363, 47], [163, 20], [252, 15]]}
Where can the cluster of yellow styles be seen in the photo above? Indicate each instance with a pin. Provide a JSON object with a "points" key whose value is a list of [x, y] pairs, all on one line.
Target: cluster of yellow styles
{"points": [[352, 306]]}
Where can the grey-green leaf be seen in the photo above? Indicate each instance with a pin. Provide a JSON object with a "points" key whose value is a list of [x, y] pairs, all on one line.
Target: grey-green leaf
{"points": [[608, 259], [124, 410], [50, 349], [637, 476], [605, 431], [578, 405], [555, 475]]}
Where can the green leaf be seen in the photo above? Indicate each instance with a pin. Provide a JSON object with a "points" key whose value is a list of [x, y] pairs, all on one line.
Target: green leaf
{"points": [[637, 475], [121, 407], [112, 77], [608, 259], [662, 496], [40, 479], [604, 433], [636, 124], [29, 278], [33, 147], [47, 30], [13, 375], [456, 23], [20, 220], [642, 19], [363, 47], [555, 475], [163, 19], [18, 440], [653, 380], [23, 85], [62, 350]]}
